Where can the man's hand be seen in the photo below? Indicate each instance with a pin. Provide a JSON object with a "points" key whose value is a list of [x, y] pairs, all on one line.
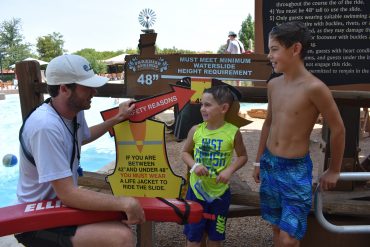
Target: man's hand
{"points": [[124, 111], [134, 211]]}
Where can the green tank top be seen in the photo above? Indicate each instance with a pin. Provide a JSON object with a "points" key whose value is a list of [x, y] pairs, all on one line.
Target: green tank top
{"points": [[214, 150]]}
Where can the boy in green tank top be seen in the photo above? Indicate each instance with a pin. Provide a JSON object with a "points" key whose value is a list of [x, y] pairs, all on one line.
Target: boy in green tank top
{"points": [[208, 151]]}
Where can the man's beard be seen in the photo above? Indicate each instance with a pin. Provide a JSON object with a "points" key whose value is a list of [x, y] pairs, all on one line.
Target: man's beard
{"points": [[77, 104]]}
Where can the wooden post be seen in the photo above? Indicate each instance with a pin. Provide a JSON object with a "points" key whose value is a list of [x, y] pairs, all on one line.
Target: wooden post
{"points": [[147, 44], [258, 29], [146, 231], [28, 74], [145, 234]]}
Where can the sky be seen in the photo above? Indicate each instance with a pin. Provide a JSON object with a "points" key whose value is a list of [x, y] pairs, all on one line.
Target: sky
{"points": [[111, 25]]}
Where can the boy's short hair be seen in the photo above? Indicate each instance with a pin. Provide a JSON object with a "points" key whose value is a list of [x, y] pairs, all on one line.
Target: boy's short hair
{"points": [[289, 33], [222, 94]]}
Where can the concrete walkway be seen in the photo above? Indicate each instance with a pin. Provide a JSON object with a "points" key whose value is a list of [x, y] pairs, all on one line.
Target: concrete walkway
{"points": [[9, 241]]}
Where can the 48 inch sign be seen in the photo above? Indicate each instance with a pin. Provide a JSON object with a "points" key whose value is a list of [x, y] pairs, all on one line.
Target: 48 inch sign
{"points": [[147, 79]]}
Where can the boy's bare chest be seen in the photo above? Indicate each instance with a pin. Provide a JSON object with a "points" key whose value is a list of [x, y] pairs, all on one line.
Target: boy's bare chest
{"points": [[295, 99]]}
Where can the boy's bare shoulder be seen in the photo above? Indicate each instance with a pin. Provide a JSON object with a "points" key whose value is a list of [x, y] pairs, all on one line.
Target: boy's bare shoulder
{"points": [[313, 83], [308, 81], [276, 80]]}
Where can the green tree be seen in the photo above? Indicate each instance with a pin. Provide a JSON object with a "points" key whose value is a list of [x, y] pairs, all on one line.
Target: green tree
{"points": [[246, 34], [95, 58], [132, 51], [50, 46], [109, 54], [175, 50], [222, 49], [12, 46]]}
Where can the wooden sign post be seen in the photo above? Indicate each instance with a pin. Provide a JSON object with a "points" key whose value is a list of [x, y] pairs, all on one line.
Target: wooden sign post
{"points": [[150, 75]]}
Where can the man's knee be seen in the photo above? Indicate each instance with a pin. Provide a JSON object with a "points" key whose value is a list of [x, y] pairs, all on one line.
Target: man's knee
{"points": [[104, 234], [125, 237]]}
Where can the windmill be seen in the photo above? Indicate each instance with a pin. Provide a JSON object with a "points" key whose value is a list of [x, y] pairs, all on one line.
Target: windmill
{"points": [[147, 18]]}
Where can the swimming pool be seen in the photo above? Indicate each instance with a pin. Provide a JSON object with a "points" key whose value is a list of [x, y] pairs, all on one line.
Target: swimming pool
{"points": [[94, 155]]}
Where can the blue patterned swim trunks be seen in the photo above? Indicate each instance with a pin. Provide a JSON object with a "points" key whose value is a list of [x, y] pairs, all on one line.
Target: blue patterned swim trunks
{"points": [[286, 192]]}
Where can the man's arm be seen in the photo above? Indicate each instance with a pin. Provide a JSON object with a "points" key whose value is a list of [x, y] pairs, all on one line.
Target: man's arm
{"points": [[80, 198], [125, 108], [325, 103]]}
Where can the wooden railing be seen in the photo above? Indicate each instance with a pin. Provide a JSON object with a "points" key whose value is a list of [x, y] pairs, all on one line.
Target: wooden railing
{"points": [[31, 91]]}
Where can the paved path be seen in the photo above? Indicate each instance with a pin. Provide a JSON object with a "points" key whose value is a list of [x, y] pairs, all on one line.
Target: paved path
{"points": [[9, 241]]}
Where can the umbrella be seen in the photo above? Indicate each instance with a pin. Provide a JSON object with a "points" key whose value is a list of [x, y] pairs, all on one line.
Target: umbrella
{"points": [[30, 59], [120, 59]]}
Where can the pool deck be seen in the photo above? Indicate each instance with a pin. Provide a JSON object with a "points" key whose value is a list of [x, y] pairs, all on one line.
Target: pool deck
{"points": [[9, 241], [8, 91]]}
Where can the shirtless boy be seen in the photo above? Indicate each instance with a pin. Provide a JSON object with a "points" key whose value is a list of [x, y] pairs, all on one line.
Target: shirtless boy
{"points": [[295, 100]]}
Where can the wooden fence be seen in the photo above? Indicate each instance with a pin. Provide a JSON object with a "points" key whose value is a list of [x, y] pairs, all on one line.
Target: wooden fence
{"points": [[31, 91]]}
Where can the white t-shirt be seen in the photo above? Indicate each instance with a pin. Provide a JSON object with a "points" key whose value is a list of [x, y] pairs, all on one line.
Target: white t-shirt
{"points": [[235, 47], [50, 143]]}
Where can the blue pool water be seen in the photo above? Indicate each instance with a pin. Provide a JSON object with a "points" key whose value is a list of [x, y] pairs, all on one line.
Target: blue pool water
{"points": [[249, 106], [94, 155]]}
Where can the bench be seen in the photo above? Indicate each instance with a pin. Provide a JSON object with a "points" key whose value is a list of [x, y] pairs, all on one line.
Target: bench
{"points": [[244, 202]]}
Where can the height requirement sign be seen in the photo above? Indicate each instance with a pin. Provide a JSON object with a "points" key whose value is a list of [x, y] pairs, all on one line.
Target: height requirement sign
{"points": [[340, 31], [152, 75]]}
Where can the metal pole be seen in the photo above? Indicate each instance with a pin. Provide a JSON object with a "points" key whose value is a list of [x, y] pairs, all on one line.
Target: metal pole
{"points": [[347, 176]]}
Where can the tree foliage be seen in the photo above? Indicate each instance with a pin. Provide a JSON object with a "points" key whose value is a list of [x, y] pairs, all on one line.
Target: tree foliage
{"points": [[246, 34], [222, 49], [95, 57], [50, 46], [132, 51], [175, 50], [13, 48]]}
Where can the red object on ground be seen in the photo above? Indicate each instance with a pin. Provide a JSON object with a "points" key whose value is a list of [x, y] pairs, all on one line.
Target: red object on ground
{"points": [[52, 213]]}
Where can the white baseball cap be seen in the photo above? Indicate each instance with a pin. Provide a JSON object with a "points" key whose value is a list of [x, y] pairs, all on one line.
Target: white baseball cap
{"points": [[68, 69]]}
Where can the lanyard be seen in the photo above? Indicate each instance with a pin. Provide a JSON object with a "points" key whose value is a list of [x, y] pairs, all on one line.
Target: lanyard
{"points": [[75, 140]]}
